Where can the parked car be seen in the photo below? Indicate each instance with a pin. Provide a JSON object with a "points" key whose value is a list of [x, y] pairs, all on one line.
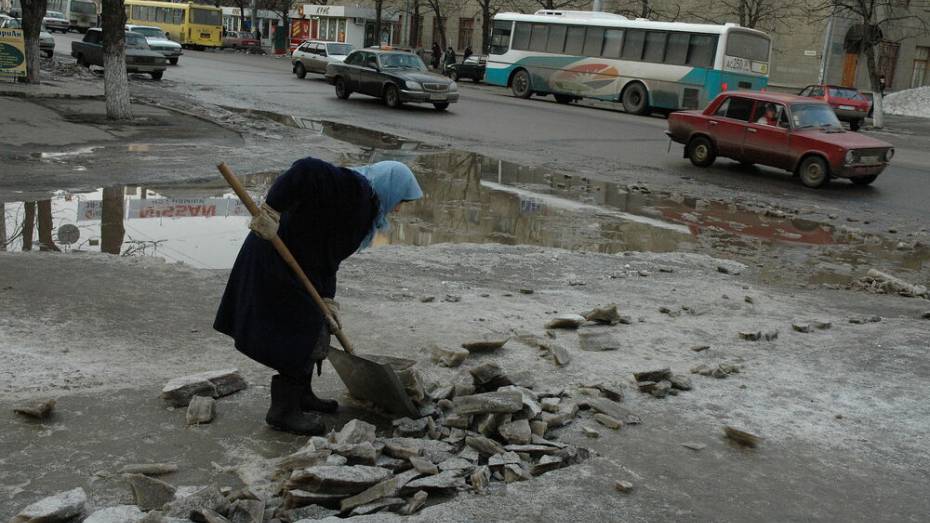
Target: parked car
{"points": [[158, 41], [46, 40], [242, 40], [795, 133], [56, 21], [847, 102], [313, 56], [472, 68], [139, 57], [395, 77]]}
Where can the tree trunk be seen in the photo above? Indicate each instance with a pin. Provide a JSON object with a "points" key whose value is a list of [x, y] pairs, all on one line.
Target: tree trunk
{"points": [[878, 115], [46, 243], [29, 220], [646, 11], [415, 26], [485, 27], [2, 227], [111, 221], [115, 78], [33, 12]]}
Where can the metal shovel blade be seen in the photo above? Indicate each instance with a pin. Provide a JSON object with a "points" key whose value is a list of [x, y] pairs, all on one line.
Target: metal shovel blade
{"points": [[370, 377]]}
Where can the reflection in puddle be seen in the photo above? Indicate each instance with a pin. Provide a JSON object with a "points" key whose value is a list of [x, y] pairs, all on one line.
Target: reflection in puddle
{"points": [[469, 198]]}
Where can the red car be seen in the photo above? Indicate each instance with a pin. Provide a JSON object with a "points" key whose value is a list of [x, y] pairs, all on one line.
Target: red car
{"points": [[847, 102], [798, 134]]}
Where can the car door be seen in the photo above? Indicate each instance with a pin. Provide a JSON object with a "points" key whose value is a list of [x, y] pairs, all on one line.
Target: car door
{"points": [[728, 125], [767, 144], [370, 80], [313, 58], [353, 70], [322, 56]]}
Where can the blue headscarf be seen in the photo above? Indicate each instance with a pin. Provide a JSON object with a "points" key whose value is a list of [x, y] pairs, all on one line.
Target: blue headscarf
{"points": [[393, 182]]}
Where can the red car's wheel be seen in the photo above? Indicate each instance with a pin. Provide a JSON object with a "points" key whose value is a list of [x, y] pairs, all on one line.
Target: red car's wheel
{"points": [[814, 172], [701, 151]]}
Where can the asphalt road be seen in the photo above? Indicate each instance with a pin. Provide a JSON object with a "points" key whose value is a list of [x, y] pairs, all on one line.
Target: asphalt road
{"points": [[594, 141]]}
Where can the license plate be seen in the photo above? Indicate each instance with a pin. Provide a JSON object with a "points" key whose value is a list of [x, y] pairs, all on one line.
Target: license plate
{"points": [[437, 97], [204, 35], [868, 159], [847, 108]]}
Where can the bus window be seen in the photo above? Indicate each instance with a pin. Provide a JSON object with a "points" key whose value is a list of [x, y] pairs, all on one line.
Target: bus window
{"points": [[500, 36], [538, 36], [206, 17], [574, 41], [613, 42], [677, 51], [521, 36], [702, 50], [655, 47], [633, 44], [556, 41], [594, 41]]}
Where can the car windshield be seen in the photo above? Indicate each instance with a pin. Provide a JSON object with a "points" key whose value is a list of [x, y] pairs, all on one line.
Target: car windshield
{"points": [[150, 32], [841, 92], [402, 61], [813, 115], [12, 23], [136, 41], [338, 49], [54, 14]]}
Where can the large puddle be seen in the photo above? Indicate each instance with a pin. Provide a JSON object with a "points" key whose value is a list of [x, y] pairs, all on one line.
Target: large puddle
{"points": [[468, 198]]}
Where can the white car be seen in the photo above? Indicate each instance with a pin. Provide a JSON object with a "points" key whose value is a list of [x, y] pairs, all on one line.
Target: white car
{"points": [[159, 42], [313, 56]]}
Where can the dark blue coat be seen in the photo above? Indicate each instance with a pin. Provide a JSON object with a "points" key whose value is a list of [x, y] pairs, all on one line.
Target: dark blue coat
{"points": [[326, 212]]}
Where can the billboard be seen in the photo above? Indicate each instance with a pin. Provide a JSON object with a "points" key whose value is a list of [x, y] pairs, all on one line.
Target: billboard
{"points": [[12, 53]]}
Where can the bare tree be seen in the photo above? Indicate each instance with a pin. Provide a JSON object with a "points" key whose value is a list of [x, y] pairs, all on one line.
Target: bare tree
{"points": [[755, 14], [649, 9], [33, 12], [879, 21], [282, 8], [379, 10], [112, 231], [45, 224], [489, 8], [29, 223], [115, 77], [440, 10]]}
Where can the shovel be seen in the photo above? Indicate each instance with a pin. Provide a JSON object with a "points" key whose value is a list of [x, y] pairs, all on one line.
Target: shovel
{"points": [[371, 378]]}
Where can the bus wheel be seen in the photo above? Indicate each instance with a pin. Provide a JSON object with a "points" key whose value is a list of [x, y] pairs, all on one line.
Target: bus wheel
{"points": [[520, 85], [563, 98], [635, 99]]}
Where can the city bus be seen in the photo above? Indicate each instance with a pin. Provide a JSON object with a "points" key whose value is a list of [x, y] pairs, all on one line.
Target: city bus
{"points": [[192, 25], [644, 65]]}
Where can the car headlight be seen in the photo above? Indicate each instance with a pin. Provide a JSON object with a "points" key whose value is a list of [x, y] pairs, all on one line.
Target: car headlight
{"points": [[413, 85], [850, 157], [889, 154], [453, 86]]}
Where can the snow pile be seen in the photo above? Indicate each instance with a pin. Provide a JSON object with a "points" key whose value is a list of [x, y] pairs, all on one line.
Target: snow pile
{"points": [[910, 102]]}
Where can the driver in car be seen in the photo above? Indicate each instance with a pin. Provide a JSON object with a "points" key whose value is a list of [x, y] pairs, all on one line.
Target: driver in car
{"points": [[770, 117]]}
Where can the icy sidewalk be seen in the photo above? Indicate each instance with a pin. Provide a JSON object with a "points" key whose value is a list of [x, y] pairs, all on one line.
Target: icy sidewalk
{"points": [[104, 334]]}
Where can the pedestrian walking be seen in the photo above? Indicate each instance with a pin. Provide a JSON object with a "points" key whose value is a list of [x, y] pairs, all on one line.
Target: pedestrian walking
{"points": [[449, 59], [437, 55], [323, 214], [467, 53]]}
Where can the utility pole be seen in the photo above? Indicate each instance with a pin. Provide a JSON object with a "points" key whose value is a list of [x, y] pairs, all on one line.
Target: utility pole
{"points": [[827, 48], [255, 19], [405, 26]]}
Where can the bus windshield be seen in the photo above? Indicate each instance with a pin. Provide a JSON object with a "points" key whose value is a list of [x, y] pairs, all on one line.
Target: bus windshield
{"points": [[500, 37], [84, 8], [206, 17]]}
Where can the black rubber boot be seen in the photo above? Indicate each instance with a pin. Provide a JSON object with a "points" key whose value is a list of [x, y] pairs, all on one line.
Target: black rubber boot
{"points": [[309, 401], [285, 414]]}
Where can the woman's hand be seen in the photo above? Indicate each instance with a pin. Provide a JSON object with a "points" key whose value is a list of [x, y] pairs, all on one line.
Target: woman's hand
{"points": [[265, 223], [333, 307]]}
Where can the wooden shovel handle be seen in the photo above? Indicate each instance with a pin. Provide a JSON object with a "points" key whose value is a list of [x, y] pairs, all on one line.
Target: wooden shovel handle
{"points": [[285, 254]]}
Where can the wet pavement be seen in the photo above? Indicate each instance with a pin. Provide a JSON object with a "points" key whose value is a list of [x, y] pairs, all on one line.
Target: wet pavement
{"points": [[477, 199]]}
